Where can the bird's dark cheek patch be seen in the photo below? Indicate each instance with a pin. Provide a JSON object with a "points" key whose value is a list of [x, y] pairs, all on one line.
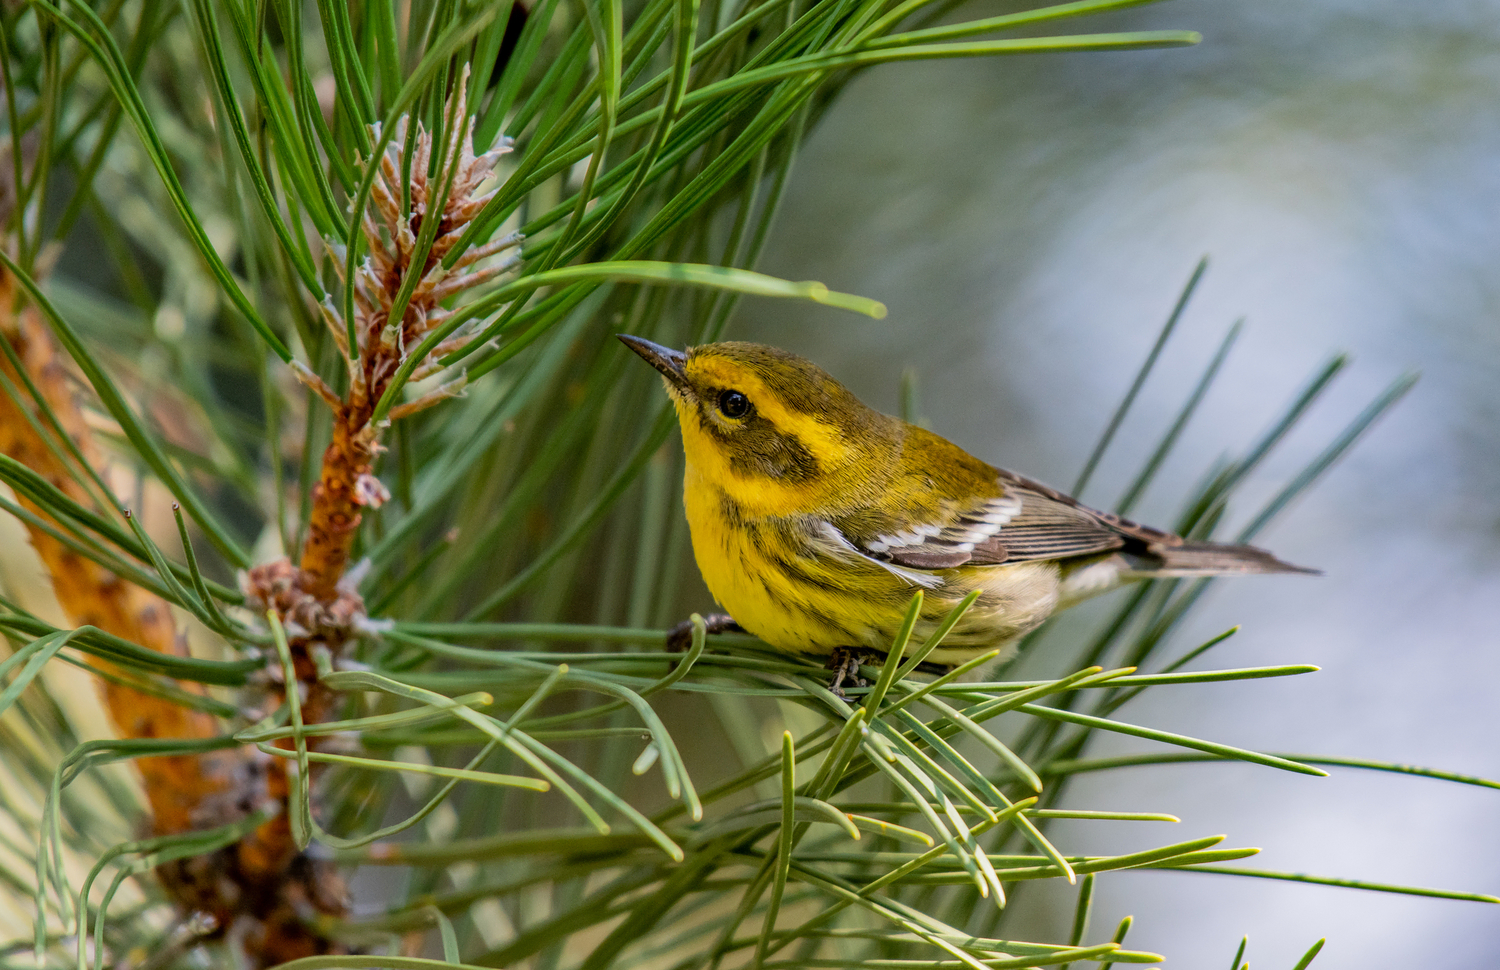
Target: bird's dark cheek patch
{"points": [[760, 450], [756, 449]]}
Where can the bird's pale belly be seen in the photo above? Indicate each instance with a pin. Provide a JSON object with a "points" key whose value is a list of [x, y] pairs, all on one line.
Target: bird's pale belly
{"points": [[803, 602]]}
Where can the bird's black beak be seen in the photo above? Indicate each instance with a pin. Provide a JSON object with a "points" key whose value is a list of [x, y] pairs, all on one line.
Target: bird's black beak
{"points": [[670, 362]]}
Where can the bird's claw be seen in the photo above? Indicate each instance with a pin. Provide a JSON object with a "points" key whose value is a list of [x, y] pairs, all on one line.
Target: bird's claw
{"points": [[844, 662], [680, 637]]}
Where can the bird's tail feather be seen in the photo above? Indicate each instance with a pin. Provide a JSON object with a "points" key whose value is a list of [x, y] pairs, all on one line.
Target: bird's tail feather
{"points": [[1209, 559]]}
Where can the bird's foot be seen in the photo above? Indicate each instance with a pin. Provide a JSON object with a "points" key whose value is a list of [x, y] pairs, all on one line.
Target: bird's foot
{"points": [[844, 662], [680, 637]]}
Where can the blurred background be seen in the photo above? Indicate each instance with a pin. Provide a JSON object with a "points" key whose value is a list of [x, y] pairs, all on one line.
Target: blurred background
{"points": [[1037, 219]]}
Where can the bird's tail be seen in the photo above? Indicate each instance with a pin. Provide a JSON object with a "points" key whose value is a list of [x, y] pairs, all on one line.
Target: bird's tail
{"points": [[1208, 559]]}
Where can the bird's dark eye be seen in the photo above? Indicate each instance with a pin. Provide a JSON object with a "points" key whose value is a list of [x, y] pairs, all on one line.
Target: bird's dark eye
{"points": [[733, 404]]}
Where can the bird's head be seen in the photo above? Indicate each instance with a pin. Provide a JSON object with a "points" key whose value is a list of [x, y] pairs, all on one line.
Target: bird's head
{"points": [[773, 431]]}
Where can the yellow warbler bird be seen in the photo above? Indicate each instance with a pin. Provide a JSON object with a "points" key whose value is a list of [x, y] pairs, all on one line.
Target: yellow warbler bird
{"points": [[814, 518]]}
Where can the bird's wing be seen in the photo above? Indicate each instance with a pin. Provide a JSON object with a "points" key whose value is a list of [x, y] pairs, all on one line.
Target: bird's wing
{"points": [[1057, 526], [1025, 521]]}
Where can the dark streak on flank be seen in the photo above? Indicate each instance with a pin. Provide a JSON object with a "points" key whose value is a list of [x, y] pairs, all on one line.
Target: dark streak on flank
{"points": [[770, 538], [794, 571], [775, 594]]}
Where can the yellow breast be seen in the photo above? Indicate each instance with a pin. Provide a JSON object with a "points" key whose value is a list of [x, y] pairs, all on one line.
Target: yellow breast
{"points": [[748, 576]]}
